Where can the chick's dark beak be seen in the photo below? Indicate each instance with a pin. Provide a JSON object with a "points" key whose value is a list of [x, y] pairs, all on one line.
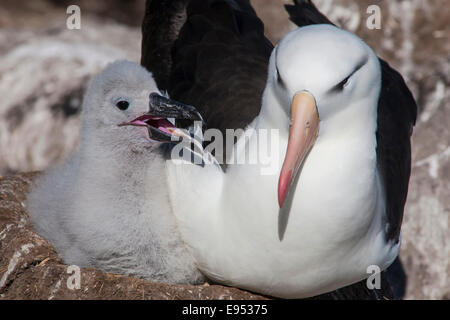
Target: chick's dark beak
{"points": [[156, 119], [169, 108]]}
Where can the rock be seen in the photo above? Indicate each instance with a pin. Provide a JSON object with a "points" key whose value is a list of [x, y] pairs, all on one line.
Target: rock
{"points": [[425, 249], [43, 78]]}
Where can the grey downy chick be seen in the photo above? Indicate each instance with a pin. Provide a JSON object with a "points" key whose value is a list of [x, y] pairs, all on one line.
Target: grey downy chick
{"points": [[108, 205]]}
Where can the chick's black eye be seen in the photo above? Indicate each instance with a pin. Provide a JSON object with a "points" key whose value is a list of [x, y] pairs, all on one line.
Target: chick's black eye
{"points": [[122, 105]]}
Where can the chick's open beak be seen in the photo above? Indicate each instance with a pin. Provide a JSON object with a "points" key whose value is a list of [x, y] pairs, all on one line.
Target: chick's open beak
{"points": [[156, 119]]}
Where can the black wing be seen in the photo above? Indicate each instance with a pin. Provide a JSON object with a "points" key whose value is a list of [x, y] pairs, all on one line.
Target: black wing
{"points": [[218, 61], [162, 23], [397, 113], [304, 13]]}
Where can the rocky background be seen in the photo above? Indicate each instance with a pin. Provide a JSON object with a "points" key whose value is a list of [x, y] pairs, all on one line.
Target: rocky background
{"points": [[44, 69]]}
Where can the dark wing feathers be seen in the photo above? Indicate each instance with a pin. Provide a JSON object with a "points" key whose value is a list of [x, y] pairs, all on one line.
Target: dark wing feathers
{"points": [[304, 13], [162, 22], [208, 53], [397, 113], [220, 62]]}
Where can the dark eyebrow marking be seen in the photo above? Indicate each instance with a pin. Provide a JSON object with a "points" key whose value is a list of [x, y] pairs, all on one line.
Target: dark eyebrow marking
{"points": [[280, 81], [340, 85]]}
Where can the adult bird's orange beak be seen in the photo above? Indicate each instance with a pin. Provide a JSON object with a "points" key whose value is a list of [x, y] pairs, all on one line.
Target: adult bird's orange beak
{"points": [[303, 130]]}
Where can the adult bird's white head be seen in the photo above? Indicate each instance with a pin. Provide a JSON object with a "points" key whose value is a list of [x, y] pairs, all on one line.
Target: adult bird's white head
{"points": [[319, 77]]}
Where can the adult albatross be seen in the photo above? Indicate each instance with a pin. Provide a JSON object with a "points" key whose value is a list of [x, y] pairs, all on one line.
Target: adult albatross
{"points": [[345, 175]]}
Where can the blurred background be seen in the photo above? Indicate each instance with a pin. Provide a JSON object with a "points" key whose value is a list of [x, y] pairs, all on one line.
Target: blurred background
{"points": [[45, 67]]}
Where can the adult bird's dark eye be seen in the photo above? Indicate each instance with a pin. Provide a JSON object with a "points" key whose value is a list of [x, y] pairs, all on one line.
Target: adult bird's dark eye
{"points": [[123, 105], [279, 80], [342, 84]]}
